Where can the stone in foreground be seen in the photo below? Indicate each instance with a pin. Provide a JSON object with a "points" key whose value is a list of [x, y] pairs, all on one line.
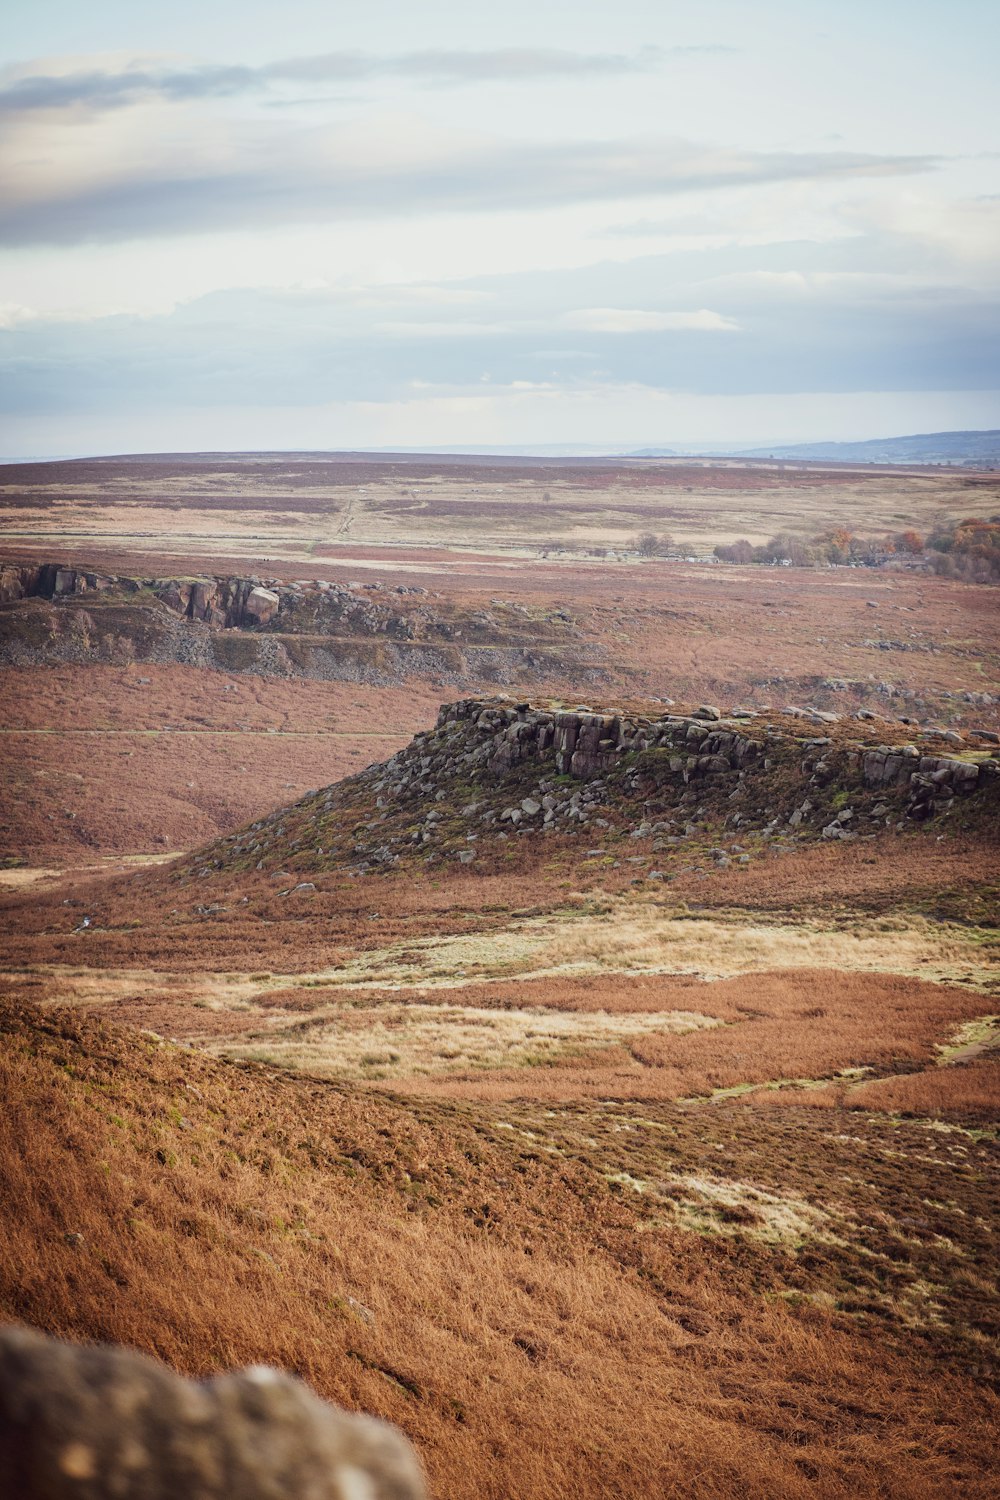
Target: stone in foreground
{"points": [[105, 1423]]}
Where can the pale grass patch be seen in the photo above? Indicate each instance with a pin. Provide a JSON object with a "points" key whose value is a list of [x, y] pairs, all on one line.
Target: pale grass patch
{"points": [[700, 1203], [400, 1040], [719, 948], [19, 877], [630, 939], [95, 988]]}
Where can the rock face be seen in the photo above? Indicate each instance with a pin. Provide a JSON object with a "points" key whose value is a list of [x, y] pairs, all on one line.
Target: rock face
{"points": [[47, 581], [374, 632], [109, 1424]]}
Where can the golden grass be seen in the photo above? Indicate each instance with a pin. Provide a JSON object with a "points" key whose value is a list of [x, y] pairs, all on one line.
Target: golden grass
{"points": [[629, 936], [713, 1205], [968, 1090], [639, 1036], [501, 1306], [424, 1040]]}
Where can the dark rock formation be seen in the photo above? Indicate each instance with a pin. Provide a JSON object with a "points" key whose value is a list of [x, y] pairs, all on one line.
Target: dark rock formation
{"points": [[109, 1424], [491, 768]]}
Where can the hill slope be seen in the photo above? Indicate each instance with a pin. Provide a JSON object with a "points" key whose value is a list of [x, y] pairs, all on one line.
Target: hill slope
{"points": [[533, 1325], [970, 448]]}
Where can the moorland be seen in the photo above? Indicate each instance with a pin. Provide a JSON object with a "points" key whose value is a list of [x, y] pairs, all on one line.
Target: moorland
{"points": [[596, 1075]]}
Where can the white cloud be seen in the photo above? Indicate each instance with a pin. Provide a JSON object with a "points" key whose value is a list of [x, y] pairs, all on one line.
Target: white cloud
{"points": [[12, 314], [455, 329], [638, 320], [154, 170]]}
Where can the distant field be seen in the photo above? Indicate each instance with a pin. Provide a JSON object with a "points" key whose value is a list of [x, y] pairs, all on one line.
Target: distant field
{"points": [[302, 506], [151, 759]]}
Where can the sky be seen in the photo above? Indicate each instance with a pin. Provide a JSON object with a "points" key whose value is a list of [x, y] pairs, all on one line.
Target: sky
{"points": [[357, 225]]}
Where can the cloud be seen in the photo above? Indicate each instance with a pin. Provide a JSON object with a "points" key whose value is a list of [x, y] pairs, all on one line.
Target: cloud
{"points": [[453, 329], [636, 320], [838, 317], [12, 314], [99, 89], [135, 179]]}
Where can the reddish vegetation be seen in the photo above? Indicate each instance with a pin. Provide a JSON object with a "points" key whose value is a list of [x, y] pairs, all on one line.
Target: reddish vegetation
{"points": [[496, 1302], [799, 1024], [150, 919], [152, 759], [963, 1091], [684, 631], [785, 1027], [587, 1276], [687, 637]]}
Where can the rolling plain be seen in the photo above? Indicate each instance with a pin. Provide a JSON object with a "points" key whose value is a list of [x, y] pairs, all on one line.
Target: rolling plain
{"points": [[543, 994]]}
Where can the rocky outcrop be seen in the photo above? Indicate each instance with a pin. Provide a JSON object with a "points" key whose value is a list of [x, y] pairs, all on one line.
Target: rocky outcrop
{"points": [[585, 744], [48, 581], [306, 607], [491, 768], [377, 633], [932, 781], [109, 1424]]}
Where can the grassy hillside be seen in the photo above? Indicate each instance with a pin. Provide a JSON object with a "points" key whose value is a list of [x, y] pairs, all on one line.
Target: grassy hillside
{"points": [[497, 1285]]}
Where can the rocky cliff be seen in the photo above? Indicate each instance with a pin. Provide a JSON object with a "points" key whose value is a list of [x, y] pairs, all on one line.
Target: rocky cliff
{"points": [[373, 632], [725, 787]]}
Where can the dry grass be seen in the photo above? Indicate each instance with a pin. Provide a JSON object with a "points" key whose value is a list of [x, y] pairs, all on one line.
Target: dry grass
{"points": [[500, 1306], [630, 937], [649, 1036], [302, 503], [961, 1091], [404, 1041], [626, 939]]}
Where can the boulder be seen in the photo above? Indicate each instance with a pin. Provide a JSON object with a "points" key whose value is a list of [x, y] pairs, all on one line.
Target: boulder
{"points": [[105, 1423], [261, 605], [707, 711]]}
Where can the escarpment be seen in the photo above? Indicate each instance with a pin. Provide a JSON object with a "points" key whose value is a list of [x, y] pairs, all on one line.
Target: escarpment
{"points": [[374, 632], [730, 788]]}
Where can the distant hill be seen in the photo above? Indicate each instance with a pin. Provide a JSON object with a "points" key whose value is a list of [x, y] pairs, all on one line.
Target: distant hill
{"points": [[974, 448]]}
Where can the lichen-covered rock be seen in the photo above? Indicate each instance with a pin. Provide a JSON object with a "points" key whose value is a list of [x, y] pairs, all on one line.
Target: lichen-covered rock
{"points": [[109, 1424]]}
